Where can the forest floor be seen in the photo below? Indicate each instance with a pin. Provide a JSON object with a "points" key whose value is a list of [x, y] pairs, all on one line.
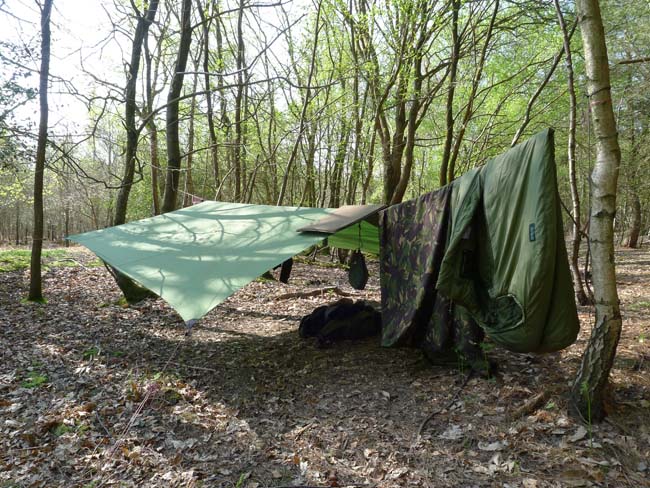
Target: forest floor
{"points": [[244, 402]]}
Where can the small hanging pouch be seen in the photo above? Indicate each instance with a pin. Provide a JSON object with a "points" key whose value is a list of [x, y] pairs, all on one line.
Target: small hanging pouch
{"points": [[358, 272]]}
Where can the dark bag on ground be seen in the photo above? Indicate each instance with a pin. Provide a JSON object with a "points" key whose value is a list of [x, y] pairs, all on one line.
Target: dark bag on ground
{"points": [[341, 320]]}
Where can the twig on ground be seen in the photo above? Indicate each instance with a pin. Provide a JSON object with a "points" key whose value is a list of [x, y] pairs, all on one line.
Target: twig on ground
{"points": [[32, 448], [99, 420], [447, 406], [303, 429], [618, 426], [530, 405], [313, 293]]}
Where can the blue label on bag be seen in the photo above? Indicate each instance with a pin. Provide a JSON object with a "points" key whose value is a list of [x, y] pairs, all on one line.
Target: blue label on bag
{"points": [[531, 232]]}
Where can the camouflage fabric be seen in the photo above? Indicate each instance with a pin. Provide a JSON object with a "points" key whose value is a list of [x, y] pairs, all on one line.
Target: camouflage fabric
{"points": [[413, 237], [453, 338]]}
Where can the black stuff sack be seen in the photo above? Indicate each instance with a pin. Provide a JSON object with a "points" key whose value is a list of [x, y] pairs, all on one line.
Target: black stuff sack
{"points": [[358, 272]]}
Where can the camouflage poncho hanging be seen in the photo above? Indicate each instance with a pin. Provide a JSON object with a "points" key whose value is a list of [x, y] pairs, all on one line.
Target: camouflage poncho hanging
{"points": [[413, 237]]}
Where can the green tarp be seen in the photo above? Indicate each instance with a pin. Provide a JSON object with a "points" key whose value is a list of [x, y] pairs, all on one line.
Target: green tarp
{"points": [[196, 257], [361, 235]]}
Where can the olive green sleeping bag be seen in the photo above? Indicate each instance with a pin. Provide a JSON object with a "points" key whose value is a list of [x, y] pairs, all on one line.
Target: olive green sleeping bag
{"points": [[506, 259]]}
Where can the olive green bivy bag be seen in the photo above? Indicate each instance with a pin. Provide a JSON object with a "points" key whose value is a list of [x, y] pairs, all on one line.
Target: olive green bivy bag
{"points": [[506, 260]]}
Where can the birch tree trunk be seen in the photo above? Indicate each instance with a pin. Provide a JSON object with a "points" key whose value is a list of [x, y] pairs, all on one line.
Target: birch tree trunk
{"points": [[588, 391], [35, 281]]}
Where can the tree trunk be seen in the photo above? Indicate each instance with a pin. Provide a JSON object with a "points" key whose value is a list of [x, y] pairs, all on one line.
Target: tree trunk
{"points": [[152, 131], [132, 133], [18, 223], [212, 132], [132, 291], [239, 97], [359, 113], [303, 113], [370, 168], [35, 282], [455, 55], [469, 110], [336, 177], [578, 287], [635, 225], [173, 139], [189, 182], [309, 193], [155, 165], [588, 391]]}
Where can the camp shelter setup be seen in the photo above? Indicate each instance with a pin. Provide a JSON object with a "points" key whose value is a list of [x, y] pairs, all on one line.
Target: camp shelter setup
{"points": [[196, 257], [485, 253], [492, 245]]}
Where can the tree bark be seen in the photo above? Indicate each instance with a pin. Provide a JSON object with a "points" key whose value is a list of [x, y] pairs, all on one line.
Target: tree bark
{"points": [[35, 281], [132, 132], [635, 224], [188, 193], [152, 131], [589, 386], [239, 97], [173, 139]]}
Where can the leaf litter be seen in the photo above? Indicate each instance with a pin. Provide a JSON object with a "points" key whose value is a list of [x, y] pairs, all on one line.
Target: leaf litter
{"points": [[243, 402]]}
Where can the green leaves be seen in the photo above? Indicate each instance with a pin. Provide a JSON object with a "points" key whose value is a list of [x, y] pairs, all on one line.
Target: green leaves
{"points": [[34, 379]]}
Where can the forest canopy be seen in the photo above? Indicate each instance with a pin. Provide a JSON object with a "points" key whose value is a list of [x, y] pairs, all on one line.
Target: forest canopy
{"points": [[304, 103]]}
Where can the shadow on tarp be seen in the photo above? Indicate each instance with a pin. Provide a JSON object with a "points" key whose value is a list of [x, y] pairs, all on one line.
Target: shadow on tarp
{"points": [[194, 258]]}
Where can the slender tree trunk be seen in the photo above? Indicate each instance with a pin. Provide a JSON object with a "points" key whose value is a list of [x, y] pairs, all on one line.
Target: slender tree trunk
{"points": [[469, 110], [370, 168], [152, 131], [303, 113], [155, 166], [35, 282], [635, 224], [132, 133], [66, 223], [189, 181], [239, 99], [580, 294], [212, 132], [309, 193], [449, 114], [18, 223], [359, 112], [337, 168], [173, 139], [589, 387]]}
